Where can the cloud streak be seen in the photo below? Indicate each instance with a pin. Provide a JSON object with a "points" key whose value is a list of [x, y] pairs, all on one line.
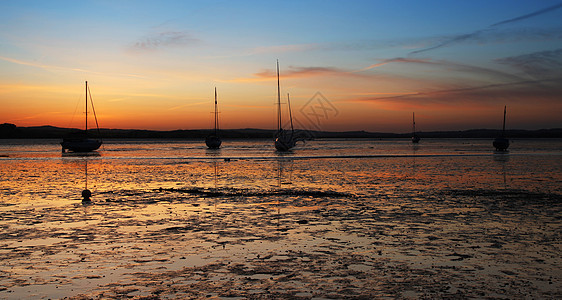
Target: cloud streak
{"points": [[188, 105], [392, 60], [164, 40], [299, 72], [447, 65], [484, 94], [527, 16], [453, 40], [293, 72], [479, 33], [543, 64], [58, 68], [284, 48]]}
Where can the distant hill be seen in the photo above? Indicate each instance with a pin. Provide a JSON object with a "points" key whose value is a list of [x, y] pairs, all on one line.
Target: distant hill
{"points": [[11, 131]]}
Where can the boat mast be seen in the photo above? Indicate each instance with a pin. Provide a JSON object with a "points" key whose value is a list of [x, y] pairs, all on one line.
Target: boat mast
{"points": [[290, 113], [503, 129], [86, 173], [414, 123], [86, 127], [278, 100], [216, 118]]}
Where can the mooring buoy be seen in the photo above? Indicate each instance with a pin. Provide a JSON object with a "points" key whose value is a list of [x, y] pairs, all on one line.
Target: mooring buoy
{"points": [[86, 194]]}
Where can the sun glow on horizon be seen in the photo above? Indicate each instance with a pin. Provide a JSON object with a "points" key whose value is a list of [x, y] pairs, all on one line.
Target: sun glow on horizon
{"points": [[159, 72]]}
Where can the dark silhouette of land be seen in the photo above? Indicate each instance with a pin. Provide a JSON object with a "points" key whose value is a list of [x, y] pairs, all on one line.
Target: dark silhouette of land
{"points": [[11, 131]]}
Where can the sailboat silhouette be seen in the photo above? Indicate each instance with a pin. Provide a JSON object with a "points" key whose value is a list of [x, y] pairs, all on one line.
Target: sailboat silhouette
{"points": [[213, 141], [415, 137], [284, 140], [82, 143], [501, 143]]}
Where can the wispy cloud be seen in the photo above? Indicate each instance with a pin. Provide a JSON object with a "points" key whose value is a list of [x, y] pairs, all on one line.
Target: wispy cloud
{"points": [[59, 68], [484, 94], [268, 50], [452, 40], [247, 106], [284, 48], [299, 72], [292, 72], [25, 63], [543, 64], [530, 15], [392, 60], [188, 105], [481, 34], [315, 71], [163, 40], [448, 66]]}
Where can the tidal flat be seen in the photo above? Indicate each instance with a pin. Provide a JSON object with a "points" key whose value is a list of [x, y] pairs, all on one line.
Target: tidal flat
{"points": [[466, 225]]}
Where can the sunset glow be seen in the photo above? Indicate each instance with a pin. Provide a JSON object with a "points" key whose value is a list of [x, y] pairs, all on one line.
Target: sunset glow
{"points": [[154, 65]]}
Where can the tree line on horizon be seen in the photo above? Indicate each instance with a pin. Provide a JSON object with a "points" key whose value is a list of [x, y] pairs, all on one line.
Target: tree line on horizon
{"points": [[11, 131]]}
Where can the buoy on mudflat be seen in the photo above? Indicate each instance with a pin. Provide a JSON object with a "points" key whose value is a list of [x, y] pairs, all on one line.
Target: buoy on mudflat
{"points": [[86, 194]]}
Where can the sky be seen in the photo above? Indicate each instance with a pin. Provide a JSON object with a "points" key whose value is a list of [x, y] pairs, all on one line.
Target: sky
{"points": [[346, 65]]}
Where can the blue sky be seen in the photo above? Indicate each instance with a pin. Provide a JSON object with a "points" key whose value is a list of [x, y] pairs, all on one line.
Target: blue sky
{"points": [[154, 64]]}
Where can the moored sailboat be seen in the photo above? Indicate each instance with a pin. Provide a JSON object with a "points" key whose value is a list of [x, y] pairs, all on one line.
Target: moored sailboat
{"points": [[501, 143], [284, 140], [81, 142], [213, 140], [415, 137]]}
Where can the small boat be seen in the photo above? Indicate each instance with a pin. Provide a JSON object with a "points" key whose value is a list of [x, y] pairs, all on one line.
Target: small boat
{"points": [[81, 142], [213, 141], [501, 143], [284, 140], [415, 137]]}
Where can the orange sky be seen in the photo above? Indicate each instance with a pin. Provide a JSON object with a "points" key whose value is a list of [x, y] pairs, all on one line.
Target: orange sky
{"points": [[155, 67]]}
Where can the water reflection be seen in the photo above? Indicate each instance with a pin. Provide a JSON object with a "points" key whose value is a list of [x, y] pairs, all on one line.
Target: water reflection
{"points": [[213, 152], [360, 219], [216, 175], [415, 148], [86, 193], [82, 164], [502, 158], [284, 178], [81, 154], [284, 172]]}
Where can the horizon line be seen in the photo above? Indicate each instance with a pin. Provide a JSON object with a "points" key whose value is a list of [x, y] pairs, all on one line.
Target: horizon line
{"points": [[263, 129]]}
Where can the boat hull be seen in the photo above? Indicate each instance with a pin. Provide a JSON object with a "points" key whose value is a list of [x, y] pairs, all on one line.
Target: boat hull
{"points": [[415, 139], [284, 144], [501, 144], [213, 142], [80, 144]]}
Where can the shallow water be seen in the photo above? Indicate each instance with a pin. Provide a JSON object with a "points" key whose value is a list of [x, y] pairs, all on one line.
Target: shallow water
{"points": [[331, 219]]}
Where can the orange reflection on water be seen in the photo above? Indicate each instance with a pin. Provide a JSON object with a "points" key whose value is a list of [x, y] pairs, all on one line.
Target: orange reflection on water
{"points": [[205, 225]]}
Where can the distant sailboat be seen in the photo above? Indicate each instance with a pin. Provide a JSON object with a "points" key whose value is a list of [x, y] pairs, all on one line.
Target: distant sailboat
{"points": [[82, 143], [213, 141], [284, 140], [415, 137], [501, 143]]}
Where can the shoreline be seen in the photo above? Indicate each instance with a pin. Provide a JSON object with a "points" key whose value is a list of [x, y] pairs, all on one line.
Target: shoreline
{"points": [[11, 131]]}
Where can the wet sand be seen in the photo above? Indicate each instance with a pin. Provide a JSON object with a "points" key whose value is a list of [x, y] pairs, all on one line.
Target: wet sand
{"points": [[308, 229]]}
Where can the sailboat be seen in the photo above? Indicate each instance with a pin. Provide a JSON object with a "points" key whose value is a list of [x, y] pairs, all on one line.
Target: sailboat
{"points": [[284, 140], [501, 143], [213, 141], [82, 143], [415, 137]]}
